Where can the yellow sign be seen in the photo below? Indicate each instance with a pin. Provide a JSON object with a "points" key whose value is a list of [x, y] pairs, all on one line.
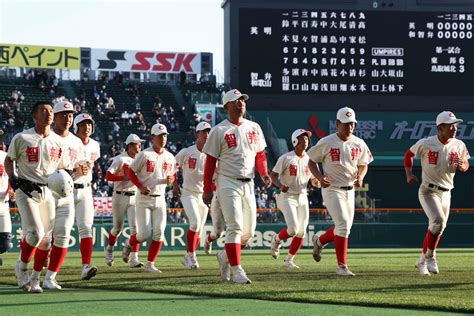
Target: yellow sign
{"points": [[14, 55]]}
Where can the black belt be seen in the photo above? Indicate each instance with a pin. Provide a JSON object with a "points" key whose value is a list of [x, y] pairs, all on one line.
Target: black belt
{"points": [[81, 186], [434, 186], [153, 195], [37, 183], [348, 188], [244, 179], [125, 193]]}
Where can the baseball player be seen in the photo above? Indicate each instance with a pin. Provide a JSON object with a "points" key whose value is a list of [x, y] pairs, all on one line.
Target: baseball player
{"points": [[151, 171], [291, 175], [83, 199], [239, 146], [441, 156], [5, 220], [123, 199], [37, 153], [64, 219], [345, 160], [191, 160]]}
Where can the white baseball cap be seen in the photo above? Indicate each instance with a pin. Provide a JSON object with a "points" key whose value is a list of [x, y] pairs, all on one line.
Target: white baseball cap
{"points": [[203, 126], [298, 133], [63, 106], [346, 115], [133, 138], [159, 129], [81, 118], [447, 117], [233, 95]]}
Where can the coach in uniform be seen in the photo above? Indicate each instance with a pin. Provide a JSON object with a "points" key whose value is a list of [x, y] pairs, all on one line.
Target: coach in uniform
{"points": [[191, 160], [238, 145], [83, 198], [441, 156], [345, 159], [123, 200]]}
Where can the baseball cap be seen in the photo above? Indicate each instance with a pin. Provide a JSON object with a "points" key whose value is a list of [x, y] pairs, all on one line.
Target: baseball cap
{"points": [[447, 117], [133, 138], [63, 106], [346, 115], [159, 129], [203, 126], [298, 133], [83, 117], [233, 95]]}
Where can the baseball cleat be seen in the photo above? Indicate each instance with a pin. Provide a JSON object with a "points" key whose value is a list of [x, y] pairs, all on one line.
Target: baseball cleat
{"points": [[35, 286], [127, 249], [208, 247], [224, 265], [288, 263], [422, 266], [343, 270], [432, 265], [136, 264], [22, 277], [241, 277], [187, 261], [88, 272], [317, 247], [275, 247], [51, 284], [150, 268], [193, 261], [109, 257]]}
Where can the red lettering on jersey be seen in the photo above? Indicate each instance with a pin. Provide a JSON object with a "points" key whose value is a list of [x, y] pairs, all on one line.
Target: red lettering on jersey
{"points": [[2, 170], [293, 170], [453, 156], [253, 137], [72, 153], [150, 166], [335, 154], [167, 167], [32, 154], [307, 171], [192, 163], [231, 140], [356, 152], [55, 154], [433, 157]]}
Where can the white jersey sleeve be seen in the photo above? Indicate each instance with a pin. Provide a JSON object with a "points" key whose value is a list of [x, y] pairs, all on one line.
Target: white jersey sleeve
{"points": [[3, 178], [192, 162]]}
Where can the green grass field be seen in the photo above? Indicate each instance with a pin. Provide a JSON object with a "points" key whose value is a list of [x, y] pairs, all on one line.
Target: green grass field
{"points": [[385, 278]]}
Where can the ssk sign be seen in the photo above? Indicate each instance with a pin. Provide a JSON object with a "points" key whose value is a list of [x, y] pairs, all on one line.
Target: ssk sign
{"points": [[139, 61]]}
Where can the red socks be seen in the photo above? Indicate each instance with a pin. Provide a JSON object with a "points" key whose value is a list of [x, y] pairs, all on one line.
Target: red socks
{"points": [[431, 241], [192, 239], [295, 246], [40, 258], [56, 258], [340, 243], [27, 252], [86, 250], [327, 237], [154, 250], [233, 254], [136, 247], [283, 235], [112, 240], [133, 240]]}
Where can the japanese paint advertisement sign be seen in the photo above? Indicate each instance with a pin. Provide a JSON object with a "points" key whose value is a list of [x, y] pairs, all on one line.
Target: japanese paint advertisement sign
{"points": [[145, 61], [31, 56]]}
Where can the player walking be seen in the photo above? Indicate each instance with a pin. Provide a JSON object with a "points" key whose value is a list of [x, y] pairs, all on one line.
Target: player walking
{"points": [[291, 175], [345, 160], [441, 156], [191, 160], [6, 193], [123, 199], [83, 199], [151, 171], [238, 146]]}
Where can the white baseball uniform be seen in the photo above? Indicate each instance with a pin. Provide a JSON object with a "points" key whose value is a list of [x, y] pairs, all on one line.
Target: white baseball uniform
{"points": [[124, 196], [340, 160], [5, 219], [192, 161], [294, 172], [438, 173], [36, 158], [83, 198], [152, 169], [235, 147]]}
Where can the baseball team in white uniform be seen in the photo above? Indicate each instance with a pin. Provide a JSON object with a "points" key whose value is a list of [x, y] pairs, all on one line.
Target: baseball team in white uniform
{"points": [[50, 173]]}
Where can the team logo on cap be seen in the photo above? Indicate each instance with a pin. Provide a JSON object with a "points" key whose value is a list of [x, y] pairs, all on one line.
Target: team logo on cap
{"points": [[67, 105], [237, 92], [348, 114], [451, 114], [161, 127], [86, 116]]}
